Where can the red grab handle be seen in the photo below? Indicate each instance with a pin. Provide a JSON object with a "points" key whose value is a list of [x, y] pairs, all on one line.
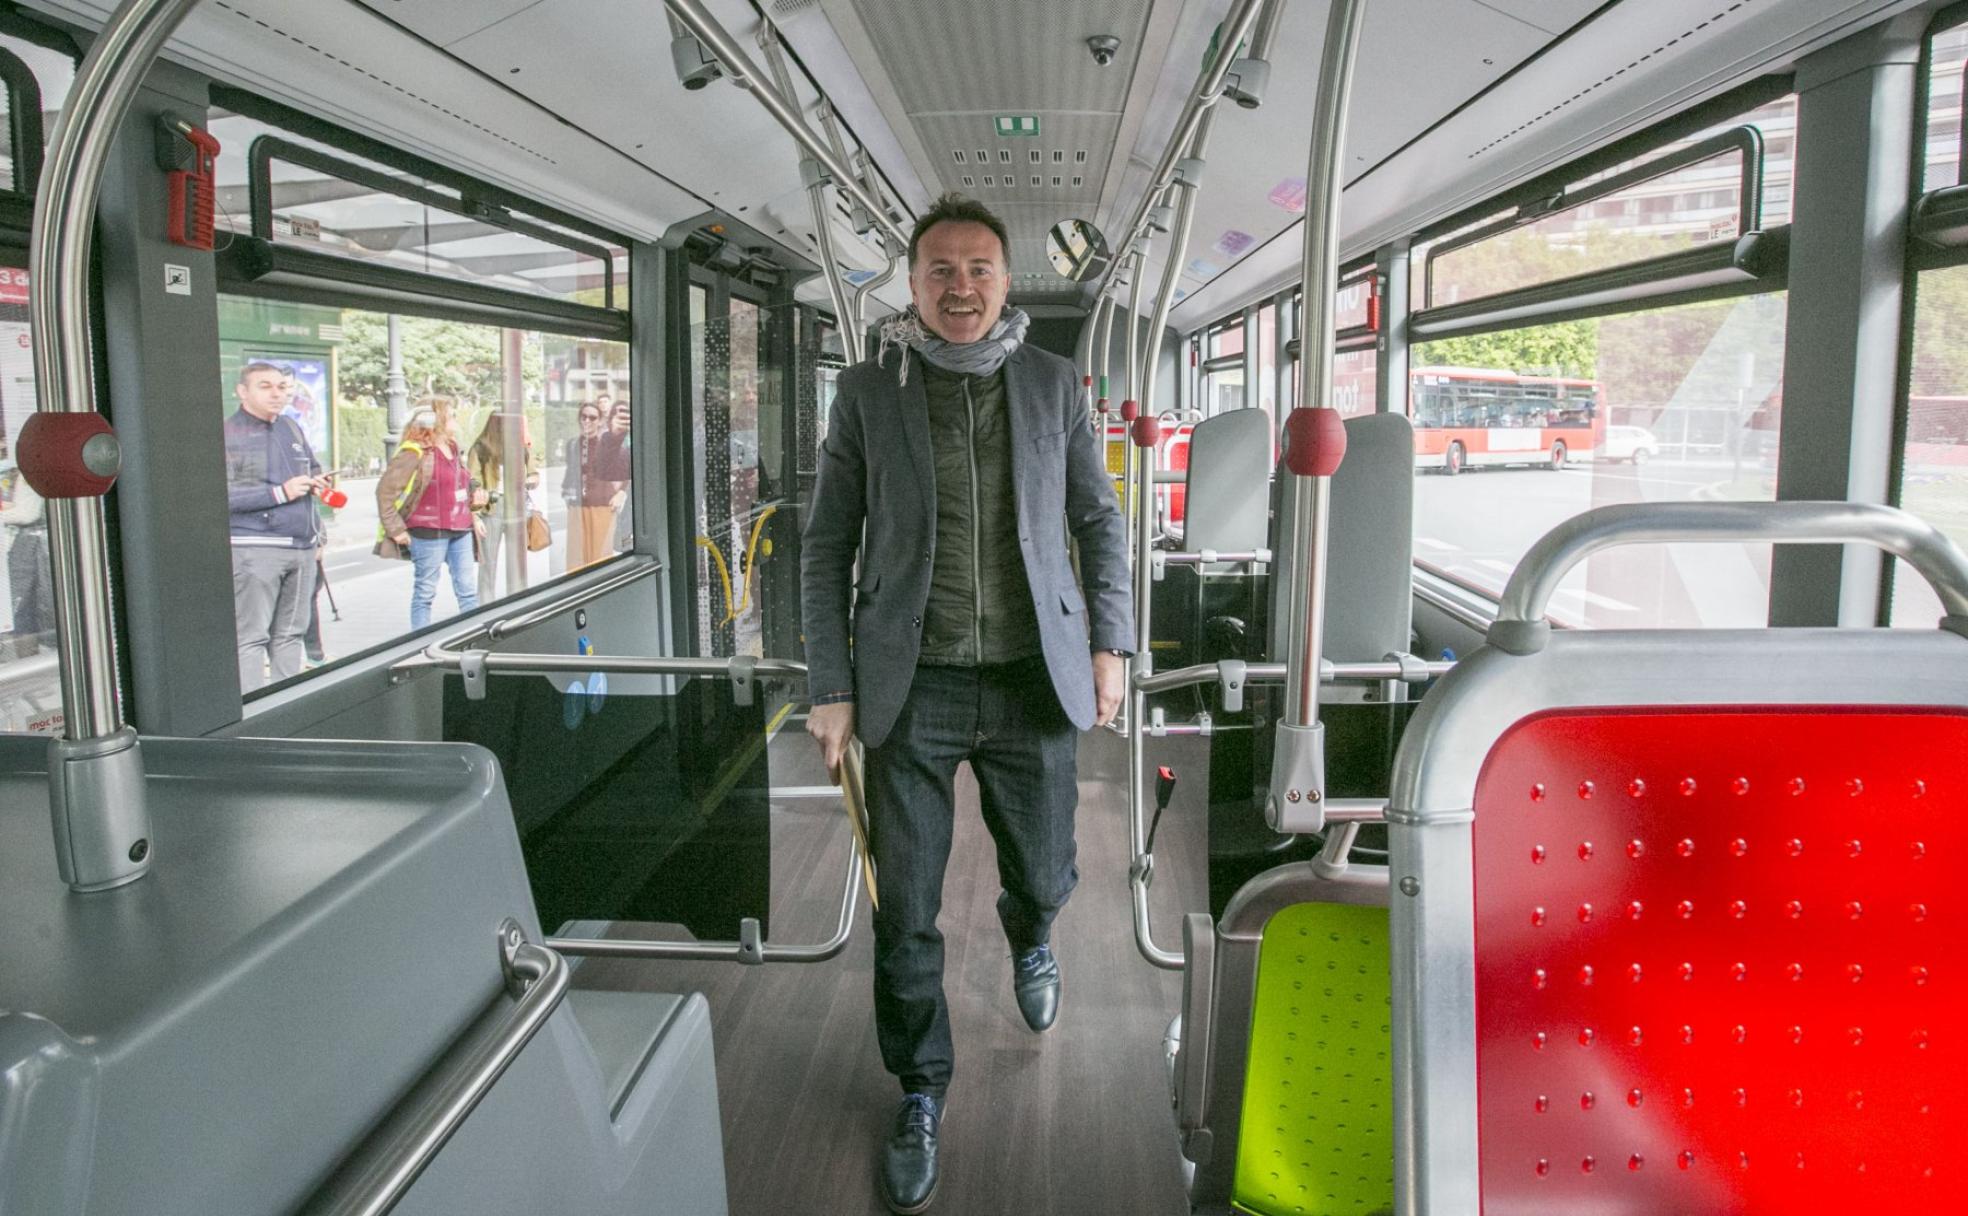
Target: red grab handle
{"points": [[1315, 442], [69, 455]]}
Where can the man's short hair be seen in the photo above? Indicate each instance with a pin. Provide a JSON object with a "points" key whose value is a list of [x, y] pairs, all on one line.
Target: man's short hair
{"points": [[956, 208], [260, 365]]}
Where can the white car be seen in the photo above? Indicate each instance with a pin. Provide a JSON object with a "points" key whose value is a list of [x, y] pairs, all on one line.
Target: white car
{"points": [[1635, 444]]}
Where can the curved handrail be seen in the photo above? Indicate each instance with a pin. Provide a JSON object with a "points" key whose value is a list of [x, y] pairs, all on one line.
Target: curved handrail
{"points": [[506, 627], [1528, 594], [381, 1170]]}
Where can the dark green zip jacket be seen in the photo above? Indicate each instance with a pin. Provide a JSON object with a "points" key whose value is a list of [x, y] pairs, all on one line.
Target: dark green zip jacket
{"points": [[980, 605]]}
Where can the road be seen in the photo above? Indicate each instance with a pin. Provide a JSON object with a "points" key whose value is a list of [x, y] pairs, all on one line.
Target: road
{"points": [[1476, 526]]}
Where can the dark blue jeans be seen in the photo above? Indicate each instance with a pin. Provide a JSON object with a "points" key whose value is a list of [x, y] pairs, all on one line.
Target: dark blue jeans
{"points": [[1006, 721]]}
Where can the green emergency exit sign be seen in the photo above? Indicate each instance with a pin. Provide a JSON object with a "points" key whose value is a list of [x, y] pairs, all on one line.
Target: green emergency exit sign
{"points": [[1013, 125]]}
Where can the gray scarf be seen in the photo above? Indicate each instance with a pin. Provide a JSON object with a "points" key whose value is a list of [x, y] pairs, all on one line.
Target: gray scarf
{"points": [[979, 358]]}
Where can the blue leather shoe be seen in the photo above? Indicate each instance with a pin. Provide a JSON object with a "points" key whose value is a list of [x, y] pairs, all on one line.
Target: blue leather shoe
{"points": [[908, 1163], [1035, 982]]}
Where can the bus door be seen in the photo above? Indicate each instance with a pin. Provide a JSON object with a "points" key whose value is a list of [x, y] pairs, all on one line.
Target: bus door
{"points": [[741, 466]]}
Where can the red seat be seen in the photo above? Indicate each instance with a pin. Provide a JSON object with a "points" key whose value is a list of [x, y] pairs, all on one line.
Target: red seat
{"points": [[1712, 965]]}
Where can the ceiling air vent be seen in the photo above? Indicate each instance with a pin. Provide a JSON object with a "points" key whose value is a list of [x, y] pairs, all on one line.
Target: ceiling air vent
{"points": [[1035, 154], [968, 180], [1078, 182], [1079, 157], [1058, 156], [1595, 86], [959, 154], [1004, 155]]}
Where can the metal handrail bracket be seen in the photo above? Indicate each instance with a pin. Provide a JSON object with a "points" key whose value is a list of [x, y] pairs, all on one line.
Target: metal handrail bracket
{"points": [[506, 627], [373, 1178]]}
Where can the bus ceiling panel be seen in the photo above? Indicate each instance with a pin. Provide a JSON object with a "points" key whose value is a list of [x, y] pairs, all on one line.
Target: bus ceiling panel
{"points": [[443, 22], [604, 66], [1255, 189], [946, 74], [1631, 66], [1551, 16], [820, 34], [346, 66]]}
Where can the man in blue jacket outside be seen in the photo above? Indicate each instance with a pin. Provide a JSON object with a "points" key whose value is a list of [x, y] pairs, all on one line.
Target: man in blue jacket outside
{"points": [[272, 476]]}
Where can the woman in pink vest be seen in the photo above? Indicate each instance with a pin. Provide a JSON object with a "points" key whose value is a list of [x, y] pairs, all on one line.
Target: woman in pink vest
{"points": [[426, 497]]}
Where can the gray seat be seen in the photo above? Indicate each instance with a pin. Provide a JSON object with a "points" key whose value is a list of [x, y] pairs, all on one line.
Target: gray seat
{"points": [[1370, 539], [318, 933], [1279, 1063], [1229, 467]]}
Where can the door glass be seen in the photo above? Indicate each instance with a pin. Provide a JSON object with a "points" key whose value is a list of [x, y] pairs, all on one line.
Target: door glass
{"points": [[740, 439]]}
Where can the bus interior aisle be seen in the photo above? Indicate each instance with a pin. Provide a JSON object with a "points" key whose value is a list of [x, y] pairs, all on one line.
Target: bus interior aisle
{"points": [[1074, 1120]]}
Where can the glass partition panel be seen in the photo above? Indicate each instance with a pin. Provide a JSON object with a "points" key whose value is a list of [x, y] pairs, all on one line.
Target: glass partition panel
{"points": [[633, 802]]}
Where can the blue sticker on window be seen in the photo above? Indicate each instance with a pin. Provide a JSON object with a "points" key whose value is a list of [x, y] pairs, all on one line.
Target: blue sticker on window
{"points": [[584, 646], [574, 706]]}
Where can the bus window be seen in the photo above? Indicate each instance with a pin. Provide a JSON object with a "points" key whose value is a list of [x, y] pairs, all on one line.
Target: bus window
{"points": [[1671, 404], [549, 410], [1934, 453]]}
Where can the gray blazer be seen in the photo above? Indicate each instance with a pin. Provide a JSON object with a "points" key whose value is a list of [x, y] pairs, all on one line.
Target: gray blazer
{"points": [[876, 469]]}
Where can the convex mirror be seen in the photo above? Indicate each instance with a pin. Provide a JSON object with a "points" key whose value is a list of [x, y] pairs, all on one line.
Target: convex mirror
{"points": [[1077, 250]]}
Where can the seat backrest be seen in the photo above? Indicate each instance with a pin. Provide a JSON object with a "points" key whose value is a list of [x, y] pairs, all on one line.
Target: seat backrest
{"points": [[1370, 545], [1284, 1096], [1666, 938], [1707, 945], [1225, 505], [1316, 1133]]}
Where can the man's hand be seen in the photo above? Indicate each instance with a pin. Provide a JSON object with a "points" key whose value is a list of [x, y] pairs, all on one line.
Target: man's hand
{"points": [[1109, 686], [299, 485], [832, 726], [401, 539]]}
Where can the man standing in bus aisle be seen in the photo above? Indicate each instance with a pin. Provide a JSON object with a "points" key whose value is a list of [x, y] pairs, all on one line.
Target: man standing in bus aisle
{"points": [[968, 457], [271, 479]]}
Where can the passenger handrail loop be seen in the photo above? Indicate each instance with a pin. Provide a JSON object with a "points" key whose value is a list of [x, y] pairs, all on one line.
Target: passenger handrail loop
{"points": [[95, 771], [383, 1167], [1521, 627]]}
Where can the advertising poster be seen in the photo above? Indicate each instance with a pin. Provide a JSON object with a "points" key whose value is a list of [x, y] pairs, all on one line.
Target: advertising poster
{"points": [[309, 406]]}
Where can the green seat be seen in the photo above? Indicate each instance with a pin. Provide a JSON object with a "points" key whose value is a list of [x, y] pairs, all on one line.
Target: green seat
{"points": [[1317, 1132]]}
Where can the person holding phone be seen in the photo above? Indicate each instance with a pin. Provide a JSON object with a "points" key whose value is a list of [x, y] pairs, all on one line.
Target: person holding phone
{"points": [[272, 478]]}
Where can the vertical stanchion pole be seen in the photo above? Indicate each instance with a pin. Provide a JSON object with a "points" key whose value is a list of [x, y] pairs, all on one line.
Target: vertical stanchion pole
{"points": [[1314, 443], [95, 770]]}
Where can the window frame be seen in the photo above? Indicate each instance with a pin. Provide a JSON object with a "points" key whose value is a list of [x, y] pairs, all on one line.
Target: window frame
{"points": [[257, 267]]}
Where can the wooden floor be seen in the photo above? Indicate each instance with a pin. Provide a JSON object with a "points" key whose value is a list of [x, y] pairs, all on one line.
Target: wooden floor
{"points": [[1073, 1121]]}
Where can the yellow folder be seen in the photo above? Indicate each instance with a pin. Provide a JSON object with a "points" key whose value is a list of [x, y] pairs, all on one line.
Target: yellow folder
{"points": [[854, 799]]}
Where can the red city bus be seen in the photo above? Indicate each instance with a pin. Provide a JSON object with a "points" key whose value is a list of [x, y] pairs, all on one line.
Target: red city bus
{"points": [[1466, 416]]}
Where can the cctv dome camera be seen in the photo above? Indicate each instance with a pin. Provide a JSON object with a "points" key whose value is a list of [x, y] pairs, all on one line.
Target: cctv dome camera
{"points": [[1103, 47], [695, 66]]}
